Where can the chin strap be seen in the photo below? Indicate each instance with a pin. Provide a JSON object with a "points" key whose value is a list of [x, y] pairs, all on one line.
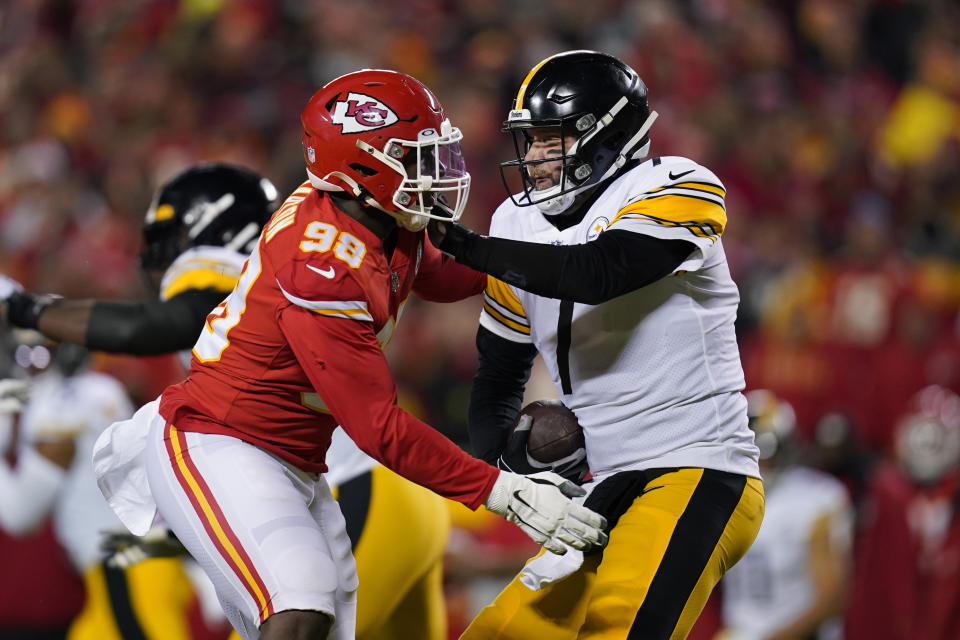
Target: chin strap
{"points": [[557, 204], [411, 222]]}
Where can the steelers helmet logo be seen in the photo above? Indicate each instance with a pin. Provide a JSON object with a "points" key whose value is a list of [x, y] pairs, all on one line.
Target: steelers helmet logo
{"points": [[597, 227]]}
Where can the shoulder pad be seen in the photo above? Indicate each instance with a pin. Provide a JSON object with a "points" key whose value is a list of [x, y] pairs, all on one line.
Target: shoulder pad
{"points": [[203, 267]]}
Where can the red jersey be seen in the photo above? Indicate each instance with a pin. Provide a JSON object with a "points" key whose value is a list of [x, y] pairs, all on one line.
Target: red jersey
{"points": [[295, 349]]}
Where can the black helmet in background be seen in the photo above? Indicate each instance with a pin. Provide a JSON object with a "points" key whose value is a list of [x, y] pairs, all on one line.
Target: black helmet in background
{"points": [[213, 204]]}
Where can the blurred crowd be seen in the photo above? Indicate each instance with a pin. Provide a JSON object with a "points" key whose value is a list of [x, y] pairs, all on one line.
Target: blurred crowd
{"points": [[835, 127]]}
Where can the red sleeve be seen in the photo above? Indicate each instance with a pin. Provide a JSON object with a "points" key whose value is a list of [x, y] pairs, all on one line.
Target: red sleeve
{"points": [[318, 276], [442, 279], [345, 365]]}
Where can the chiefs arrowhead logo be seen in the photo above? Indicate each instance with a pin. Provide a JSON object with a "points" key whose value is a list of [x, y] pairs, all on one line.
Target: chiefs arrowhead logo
{"points": [[360, 112]]}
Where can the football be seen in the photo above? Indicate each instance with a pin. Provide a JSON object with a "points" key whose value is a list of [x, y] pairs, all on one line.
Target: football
{"points": [[555, 432]]}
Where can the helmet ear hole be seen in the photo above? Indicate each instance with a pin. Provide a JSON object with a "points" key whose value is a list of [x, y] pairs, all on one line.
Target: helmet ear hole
{"points": [[363, 169]]}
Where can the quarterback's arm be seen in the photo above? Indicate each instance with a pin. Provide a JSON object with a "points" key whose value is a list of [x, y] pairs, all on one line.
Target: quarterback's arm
{"points": [[138, 328], [441, 279], [503, 368], [617, 262], [345, 365]]}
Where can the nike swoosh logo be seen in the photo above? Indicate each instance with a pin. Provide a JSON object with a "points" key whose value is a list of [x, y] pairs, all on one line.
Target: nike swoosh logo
{"points": [[679, 175], [326, 273]]}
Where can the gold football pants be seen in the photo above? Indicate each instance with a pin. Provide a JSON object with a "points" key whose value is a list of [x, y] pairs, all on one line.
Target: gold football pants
{"points": [[148, 600], [399, 555], [678, 531]]}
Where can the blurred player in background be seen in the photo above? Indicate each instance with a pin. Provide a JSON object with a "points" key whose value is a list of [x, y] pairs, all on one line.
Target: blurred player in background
{"points": [[794, 580], [34, 562], [234, 454], [612, 268], [196, 236], [197, 233], [905, 581], [68, 407]]}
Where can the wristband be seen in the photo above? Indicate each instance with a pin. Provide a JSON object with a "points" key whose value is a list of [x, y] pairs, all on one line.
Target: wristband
{"points": [[24, 309]]}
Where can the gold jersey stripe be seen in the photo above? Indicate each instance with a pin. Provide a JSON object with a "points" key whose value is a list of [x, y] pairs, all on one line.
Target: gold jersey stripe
{"points": [[501, 293], [518, 103], [683, 210], [709, 187], [505, 312], [692, 227], [504, 320], [200, 279]]}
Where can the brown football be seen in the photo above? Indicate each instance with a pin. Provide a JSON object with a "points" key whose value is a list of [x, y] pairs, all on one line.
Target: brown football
{"points": [[555, 432]]}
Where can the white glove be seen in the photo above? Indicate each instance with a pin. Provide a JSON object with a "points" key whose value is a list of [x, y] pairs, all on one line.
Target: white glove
{"points": [[540, 506], [8, 286], [13, 394]]}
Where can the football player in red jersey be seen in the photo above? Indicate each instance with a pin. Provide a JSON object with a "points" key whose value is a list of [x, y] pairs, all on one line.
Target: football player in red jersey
{"points": [[234, 454]]}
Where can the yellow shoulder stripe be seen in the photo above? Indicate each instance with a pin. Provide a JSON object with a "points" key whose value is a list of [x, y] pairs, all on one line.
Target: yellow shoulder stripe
{"points": [[702, 216], [501, 293], [200, 279], [708, 187]]}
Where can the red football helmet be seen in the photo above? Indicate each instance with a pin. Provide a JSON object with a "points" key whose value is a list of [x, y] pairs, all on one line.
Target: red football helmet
{"points": [[383, 137]]}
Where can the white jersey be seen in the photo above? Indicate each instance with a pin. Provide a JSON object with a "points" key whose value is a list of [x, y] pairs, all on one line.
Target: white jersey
{"points": [[772, 585], [212, 267], [81, 405], [654, 376]]}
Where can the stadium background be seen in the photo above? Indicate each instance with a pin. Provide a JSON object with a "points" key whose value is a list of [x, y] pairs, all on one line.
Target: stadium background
{"points": [[835, 127]]}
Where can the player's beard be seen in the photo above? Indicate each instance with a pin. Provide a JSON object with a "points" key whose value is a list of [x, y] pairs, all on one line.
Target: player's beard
{"points": [[548, 203]]}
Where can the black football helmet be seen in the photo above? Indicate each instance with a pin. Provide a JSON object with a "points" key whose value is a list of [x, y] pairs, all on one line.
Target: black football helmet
{"points": [[593, 97], [211, 204]]}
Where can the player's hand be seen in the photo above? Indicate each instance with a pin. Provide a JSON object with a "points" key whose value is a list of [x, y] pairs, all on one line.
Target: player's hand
{"points": [[437, 230], [125, 549], [24, 308], [451, 238], [540, 505], [13, 395], [8, 286], [516, 458]]}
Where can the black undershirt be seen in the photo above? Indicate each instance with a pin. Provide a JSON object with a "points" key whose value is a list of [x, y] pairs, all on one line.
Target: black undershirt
{"points": [[503, 369], [151, 327]]}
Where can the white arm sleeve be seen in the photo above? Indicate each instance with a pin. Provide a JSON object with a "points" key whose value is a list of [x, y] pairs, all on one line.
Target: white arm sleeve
{"points": [[28, 492]]}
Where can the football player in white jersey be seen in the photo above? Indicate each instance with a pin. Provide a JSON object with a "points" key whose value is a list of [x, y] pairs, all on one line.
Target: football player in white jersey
{"points": [[67, 408], [793, 581], [612, 268]]}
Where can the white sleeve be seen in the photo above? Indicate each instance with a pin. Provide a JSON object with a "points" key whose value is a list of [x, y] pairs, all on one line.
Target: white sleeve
{"points": [[678, 200], [27, 493]]}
